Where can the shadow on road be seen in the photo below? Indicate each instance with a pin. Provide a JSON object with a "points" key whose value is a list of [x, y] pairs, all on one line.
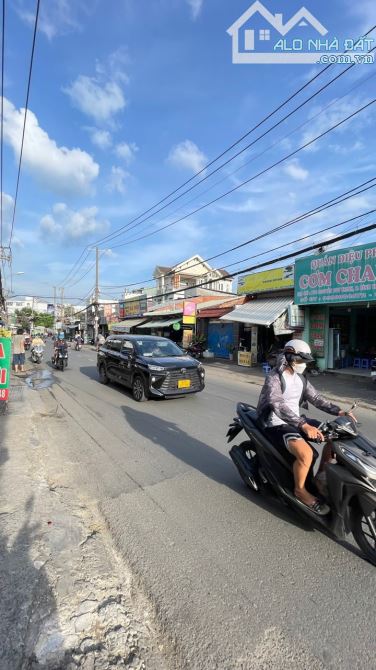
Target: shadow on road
{"points": [[204, 458]]}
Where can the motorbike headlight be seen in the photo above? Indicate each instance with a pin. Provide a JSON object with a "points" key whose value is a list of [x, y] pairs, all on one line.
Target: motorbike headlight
{"points": [[156, 368]]}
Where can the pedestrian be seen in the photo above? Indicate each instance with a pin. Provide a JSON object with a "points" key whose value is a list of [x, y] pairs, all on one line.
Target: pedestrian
{"points": [[19, 351], [100, 341]]}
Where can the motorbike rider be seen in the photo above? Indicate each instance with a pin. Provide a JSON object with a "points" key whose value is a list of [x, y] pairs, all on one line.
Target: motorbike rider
{"points": [[59, 343], [285, 390], [78, 340]]}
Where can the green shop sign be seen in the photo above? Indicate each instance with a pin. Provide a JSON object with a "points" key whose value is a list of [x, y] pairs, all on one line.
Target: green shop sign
{"points": [[5, 355], [346, 275]]}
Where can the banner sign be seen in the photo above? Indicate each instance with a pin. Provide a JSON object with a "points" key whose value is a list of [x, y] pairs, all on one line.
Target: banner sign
{"points": [[270, 280], [133, 307], [189, 313], [5, 357], [346, 275], [317, 332]]}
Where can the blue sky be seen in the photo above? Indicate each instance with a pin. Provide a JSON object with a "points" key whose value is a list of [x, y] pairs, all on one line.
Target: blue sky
{"points": [[130, 98]]}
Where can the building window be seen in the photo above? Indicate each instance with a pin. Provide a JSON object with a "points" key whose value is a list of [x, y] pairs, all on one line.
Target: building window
{"points": [[264, 35]]}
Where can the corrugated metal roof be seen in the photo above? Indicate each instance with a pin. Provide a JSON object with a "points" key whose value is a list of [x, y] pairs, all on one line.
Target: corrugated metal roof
{"points": [[126, 325], [259, 312], [160, 324]]}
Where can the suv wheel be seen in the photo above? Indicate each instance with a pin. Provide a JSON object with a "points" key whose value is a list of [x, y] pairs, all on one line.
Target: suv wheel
{"points": [[103, 375], [138, 389]]}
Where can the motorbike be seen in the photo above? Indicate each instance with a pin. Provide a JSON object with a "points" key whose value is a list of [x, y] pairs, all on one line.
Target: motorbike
{"points": [[78, 346], [37, 353], [196, 350], [60, 358], [350, 481]]}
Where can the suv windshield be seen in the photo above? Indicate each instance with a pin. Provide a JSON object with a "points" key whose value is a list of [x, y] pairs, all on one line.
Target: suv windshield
{"points": [[157, 348]]}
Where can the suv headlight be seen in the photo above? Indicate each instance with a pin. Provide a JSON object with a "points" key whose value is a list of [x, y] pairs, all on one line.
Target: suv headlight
{"points": [[156, 368]]}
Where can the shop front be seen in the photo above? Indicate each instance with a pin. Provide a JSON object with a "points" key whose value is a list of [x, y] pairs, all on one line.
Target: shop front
{"points": [[263, 327], [338, 292], [268, 318]]}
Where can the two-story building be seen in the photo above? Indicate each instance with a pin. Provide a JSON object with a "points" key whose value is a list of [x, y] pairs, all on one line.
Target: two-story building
{"points": [[173, 282]]}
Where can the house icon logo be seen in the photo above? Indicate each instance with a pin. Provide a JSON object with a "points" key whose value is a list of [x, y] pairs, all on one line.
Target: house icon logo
{"points": [[259, 36]]}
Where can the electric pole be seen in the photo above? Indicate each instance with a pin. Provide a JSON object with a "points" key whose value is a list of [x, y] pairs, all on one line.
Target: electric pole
{"points": [[54, 324], [62, 304], [96, 296]]}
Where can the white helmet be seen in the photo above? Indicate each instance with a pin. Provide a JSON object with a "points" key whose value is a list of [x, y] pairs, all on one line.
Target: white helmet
{"points": [[298, 349]]}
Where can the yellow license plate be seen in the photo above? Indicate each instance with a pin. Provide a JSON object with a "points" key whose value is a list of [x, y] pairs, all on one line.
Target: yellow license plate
{"points": [[184, 383]]}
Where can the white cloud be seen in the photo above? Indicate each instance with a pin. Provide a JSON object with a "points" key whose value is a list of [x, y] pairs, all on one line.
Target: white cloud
{"points": [[57, 17], [196, 7], [343, 150], [126, 151], [117, 180], [334, 115], [97, 100], [62, 170], [67, 225], [294, 170], [188, 155], [101, 96], [101, 138], [246, 207]]}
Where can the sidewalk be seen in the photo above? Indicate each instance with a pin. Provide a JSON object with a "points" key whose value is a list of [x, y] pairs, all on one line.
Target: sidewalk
{"points": [[66, 600], [343, 389]]}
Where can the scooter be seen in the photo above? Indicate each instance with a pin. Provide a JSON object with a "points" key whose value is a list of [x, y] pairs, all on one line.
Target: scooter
{"points": [[37, 353], [350, 482], [78, 346], [60, 358], [196, 350]]}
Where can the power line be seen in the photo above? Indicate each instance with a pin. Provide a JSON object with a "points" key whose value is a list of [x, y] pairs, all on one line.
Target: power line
{"points": [[271, 146], [236, 143], [273, 261], [113, 235], [24, 123], [247, 181], [128, 227], [343, 197]]}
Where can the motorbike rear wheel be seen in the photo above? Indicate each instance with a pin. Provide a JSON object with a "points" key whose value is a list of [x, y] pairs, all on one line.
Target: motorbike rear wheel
{"points": [[364, 532], [246, 461]]}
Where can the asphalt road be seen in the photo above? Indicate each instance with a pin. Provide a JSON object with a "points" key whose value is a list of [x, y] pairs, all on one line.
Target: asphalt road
{"points": [[237, 581]]}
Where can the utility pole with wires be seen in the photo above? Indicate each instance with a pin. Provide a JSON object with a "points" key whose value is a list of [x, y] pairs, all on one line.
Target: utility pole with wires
{"points": [[54, 325], [62, 304], [96, 296]]}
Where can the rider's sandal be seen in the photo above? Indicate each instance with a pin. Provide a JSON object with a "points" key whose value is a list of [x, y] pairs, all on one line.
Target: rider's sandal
{"points": [[318, 507]]}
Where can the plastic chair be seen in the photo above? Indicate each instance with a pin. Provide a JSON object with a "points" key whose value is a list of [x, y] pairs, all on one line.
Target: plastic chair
{"points": [[356, 363], [364, 364]]}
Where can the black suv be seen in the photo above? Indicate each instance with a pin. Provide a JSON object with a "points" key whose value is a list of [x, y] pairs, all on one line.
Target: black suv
{"points": [[150, 366]]}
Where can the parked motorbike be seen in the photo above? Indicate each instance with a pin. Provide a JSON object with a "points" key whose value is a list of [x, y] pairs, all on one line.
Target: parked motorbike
{"points": [[196, 350], [60, 358], [37, 353], [350, 482]]}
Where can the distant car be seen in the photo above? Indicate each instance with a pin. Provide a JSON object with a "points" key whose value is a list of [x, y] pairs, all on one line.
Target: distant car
{"points": [[150, 366]]}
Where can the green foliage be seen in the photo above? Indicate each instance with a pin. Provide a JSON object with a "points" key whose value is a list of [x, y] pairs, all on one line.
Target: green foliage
{"points": [[25, 315], [45, 320]]}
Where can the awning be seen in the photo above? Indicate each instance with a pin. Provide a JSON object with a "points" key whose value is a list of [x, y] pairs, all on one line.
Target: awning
{"points": [[259, 312], [125, 326], [160, 324]]}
